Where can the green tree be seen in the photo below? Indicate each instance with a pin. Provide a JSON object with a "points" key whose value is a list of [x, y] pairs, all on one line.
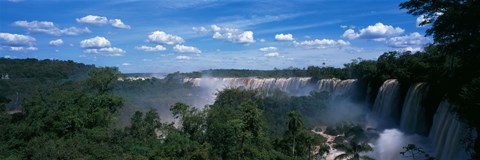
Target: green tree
{"points": [[295, 125], [352, 150], [103, 79]]}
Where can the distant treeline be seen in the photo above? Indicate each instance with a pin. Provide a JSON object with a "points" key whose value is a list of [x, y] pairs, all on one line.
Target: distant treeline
{"points": [[26, 76], [311, 71]]}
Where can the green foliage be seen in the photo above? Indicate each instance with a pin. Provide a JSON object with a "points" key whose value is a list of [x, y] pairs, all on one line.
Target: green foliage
{"points": [[103, 79]]}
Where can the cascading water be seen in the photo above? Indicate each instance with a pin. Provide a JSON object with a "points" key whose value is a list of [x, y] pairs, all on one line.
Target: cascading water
{"points": [[446, 134], [413, 118], [386, 104], [337, 88], [292, 85]]}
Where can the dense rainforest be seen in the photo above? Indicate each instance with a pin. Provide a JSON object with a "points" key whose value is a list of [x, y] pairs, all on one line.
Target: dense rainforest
{"points": [[53, 109]]}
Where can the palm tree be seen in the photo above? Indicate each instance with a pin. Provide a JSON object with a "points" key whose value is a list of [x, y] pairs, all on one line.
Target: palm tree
{"points": [[295, 125], [352, 150]]}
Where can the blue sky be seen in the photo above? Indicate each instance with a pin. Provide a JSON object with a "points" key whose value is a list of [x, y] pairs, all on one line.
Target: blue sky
{"points": [[181, 35]]}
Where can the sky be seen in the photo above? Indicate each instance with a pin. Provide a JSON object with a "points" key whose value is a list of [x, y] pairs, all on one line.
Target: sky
{"points": [[181, 35]]}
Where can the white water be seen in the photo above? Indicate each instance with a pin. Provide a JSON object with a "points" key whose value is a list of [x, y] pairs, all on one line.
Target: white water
{"points": [[386, 105], [337, 88], [294, 85], [446, 134], [413, 118]]}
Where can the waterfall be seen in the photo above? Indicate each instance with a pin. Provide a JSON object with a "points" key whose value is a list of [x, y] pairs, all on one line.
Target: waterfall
{"points": [[292, 85], [413, 118], [337, 88], [446, 134], [386, 104]]}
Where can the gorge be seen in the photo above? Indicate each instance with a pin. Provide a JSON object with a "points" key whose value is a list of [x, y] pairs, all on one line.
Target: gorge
{"points": [[399, 119]]}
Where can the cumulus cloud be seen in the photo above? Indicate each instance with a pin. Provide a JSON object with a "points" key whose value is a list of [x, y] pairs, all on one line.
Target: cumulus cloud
{"points": [[186, 49], [200, 29], [93, 20], [233, 35], [107, 51], [350, 34], [183, 57], [102, 46], [156, 48], [215, 28], [413, 41], [126, 64], [164, 38], [16, 39], [96, 42], [323, 43], [117, 23], [49, 28], [377, 31], [284, 37], [17, 42], [100, 21], [272, 54], [56, 42], [268, 49]]}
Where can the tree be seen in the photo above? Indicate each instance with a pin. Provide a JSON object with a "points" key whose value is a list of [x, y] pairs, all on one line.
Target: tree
{"points": [[457, 36], [352, 150], [295, 125], [415, 153], [103, 79]]}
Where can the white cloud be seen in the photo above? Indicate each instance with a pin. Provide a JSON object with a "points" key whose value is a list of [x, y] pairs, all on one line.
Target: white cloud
{"points": [[186, 49], [49, 28], [156, 48], [215, 28], [73, 31], [272, 54], [262, 40], [100, 21], [421, 19], [412, 49], [284, 37], [200, 29], [126, 64], [93, 20], [350, 34], [117, 23], [96, 42], [183, 57], [17, 39], [164, 38], [17, 42], [233, 35], [379, 30], [268, 49], [21, 49], [323, 43], [413, 40], [246, 37], [56, 42], [107, 51], [102, 46]]}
